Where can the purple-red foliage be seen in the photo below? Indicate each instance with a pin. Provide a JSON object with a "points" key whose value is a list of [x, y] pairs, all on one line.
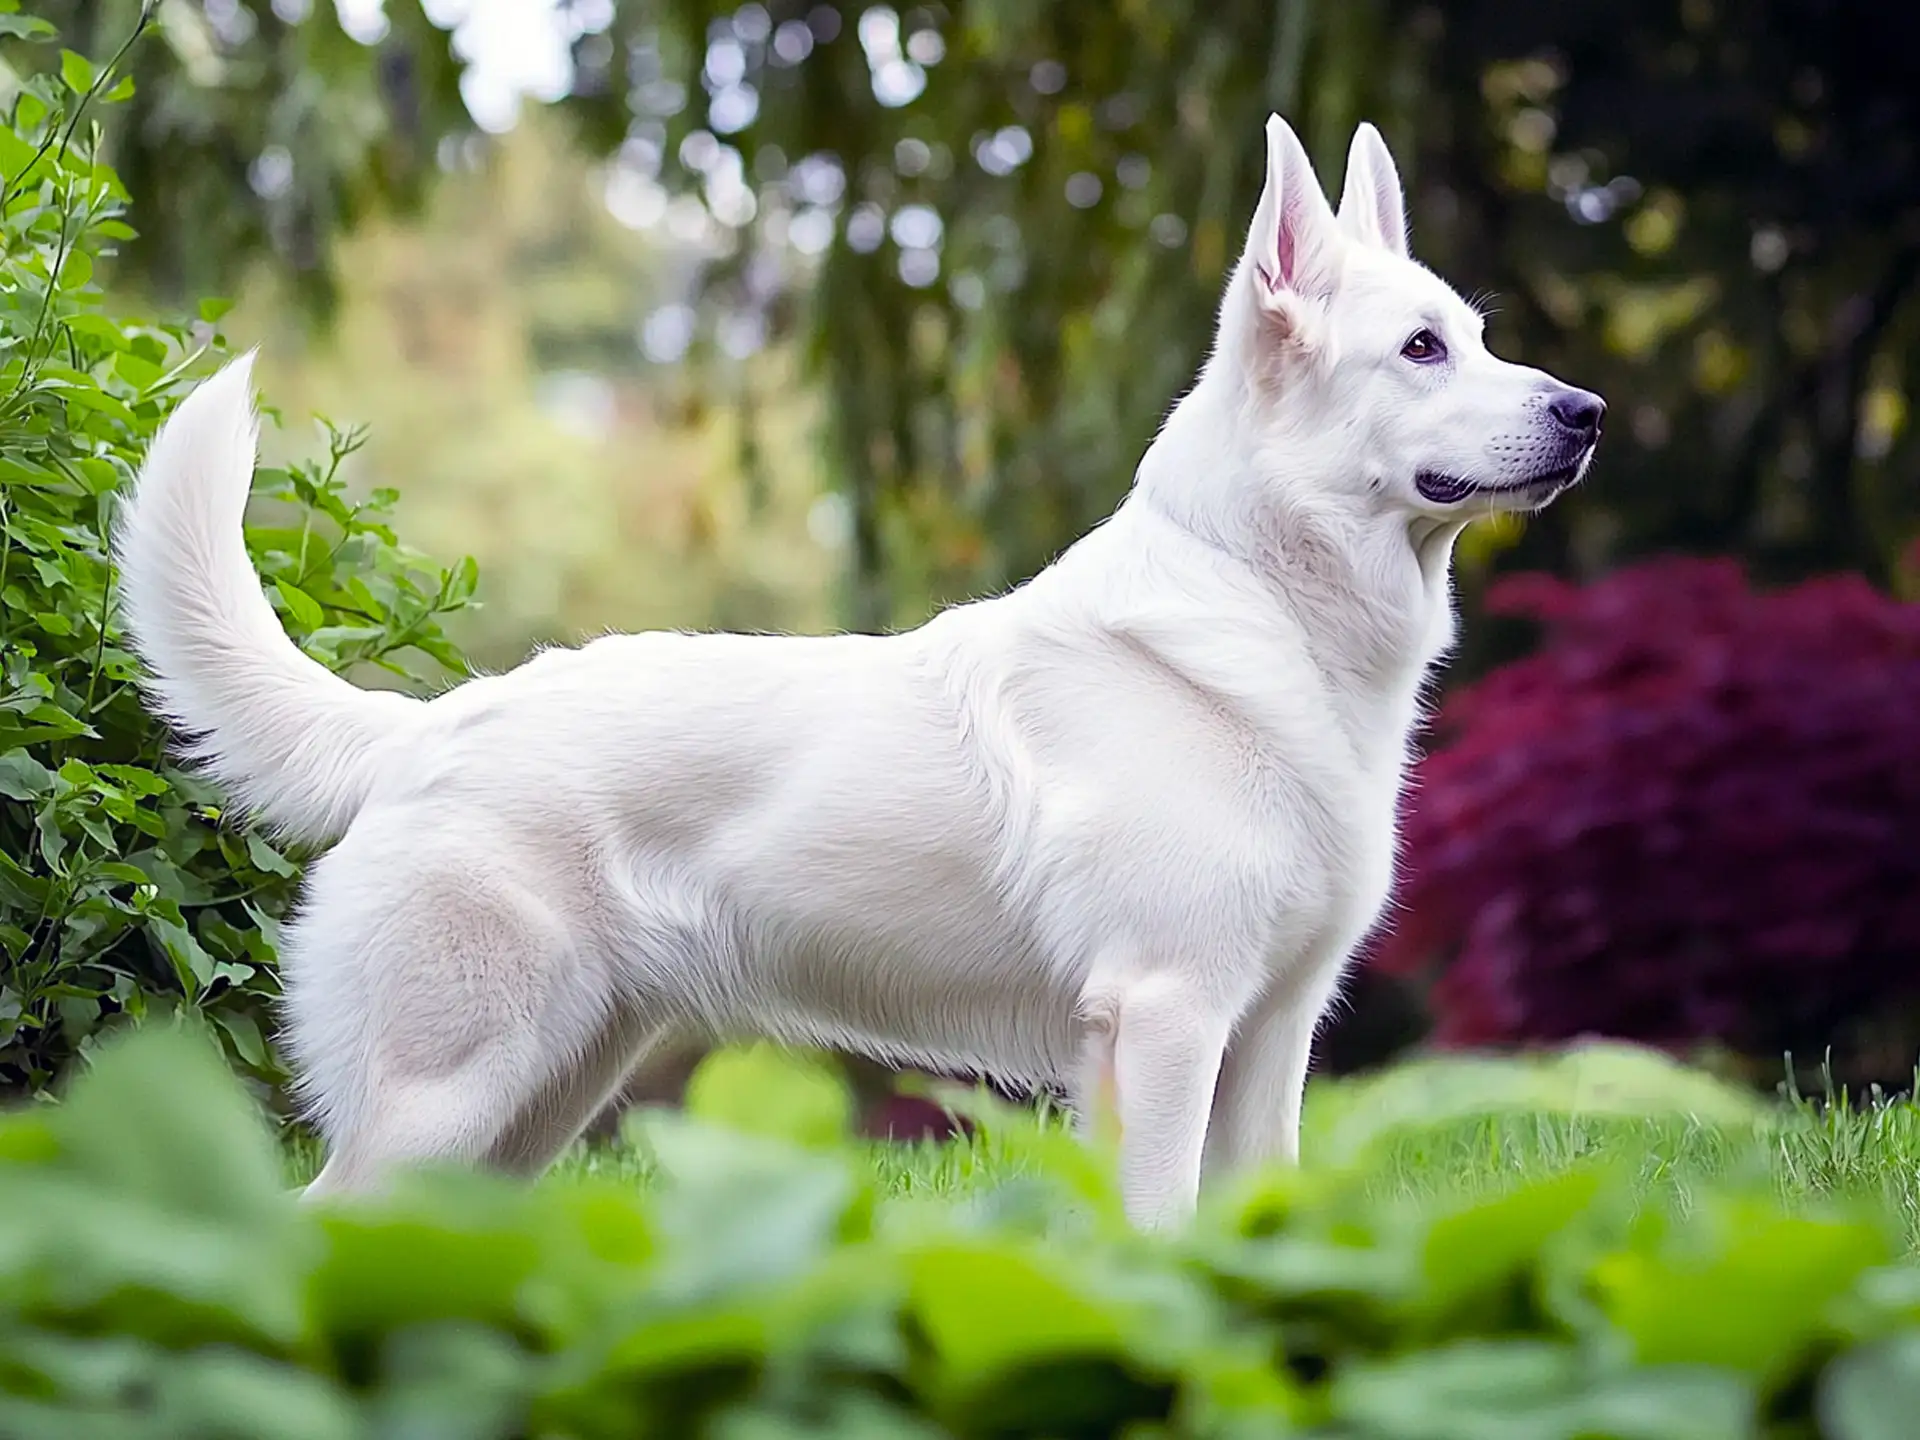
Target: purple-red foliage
{"points": [[1693, 813]]}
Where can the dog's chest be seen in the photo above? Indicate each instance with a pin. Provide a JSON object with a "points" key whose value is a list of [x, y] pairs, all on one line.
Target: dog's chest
{"points": [[1373, 846]]}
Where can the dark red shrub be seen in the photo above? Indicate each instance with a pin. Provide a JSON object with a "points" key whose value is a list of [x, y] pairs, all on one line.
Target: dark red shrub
{"points": [[1693, 814]]}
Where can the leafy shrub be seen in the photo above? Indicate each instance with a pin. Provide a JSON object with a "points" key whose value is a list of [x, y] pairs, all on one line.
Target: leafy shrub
{"points": [[155, 1281], [1693, 814], [121, 890]]}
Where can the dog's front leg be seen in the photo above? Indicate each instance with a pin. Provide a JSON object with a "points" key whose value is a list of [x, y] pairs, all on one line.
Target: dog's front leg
{"points": [[1256, 1111], [1168, 1040]]}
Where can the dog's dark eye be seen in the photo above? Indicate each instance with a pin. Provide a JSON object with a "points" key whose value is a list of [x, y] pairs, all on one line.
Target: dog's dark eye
{"points": [[1424, 348]]}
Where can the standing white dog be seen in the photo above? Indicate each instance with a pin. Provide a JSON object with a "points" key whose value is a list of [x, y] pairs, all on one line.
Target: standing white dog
{"points": [[1121, 827]]}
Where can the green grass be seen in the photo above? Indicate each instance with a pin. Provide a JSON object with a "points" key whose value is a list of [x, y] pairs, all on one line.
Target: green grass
{"points": [[1805, 1157], [1806, 1152], [932, 1169]]}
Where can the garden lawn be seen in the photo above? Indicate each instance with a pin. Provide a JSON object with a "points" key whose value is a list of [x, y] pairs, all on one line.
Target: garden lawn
{"points": [[1458, 1142]]}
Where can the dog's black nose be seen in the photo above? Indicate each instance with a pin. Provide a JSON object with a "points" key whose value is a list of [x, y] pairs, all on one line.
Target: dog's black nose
{"points": [[1579, 411]]}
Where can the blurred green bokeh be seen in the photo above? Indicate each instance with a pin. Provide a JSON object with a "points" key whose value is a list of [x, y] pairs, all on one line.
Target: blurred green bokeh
{"points": [[973, 249]]}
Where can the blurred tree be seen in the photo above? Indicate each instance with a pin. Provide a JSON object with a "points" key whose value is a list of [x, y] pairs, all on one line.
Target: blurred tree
{"points": [[999, 229], [1025, 213], [488, 343], [260, 128], [1709, 210]]}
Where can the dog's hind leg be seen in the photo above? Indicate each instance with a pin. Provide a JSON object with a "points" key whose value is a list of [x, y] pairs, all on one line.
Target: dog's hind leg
{"points": [[464, 1022], [486, 1111]]}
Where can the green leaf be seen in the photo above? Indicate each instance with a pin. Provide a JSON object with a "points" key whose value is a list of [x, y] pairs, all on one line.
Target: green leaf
{"points": [[1347, 1119], [78, 71], [305, 609], [765, 1090], [452, 1381], [1874, 1393], [1742, 1286], [158, 1116], [986, 1309], [30, 110], [464, 580], [1534, 1390], [450, 1247], [220, 1392], [20, 888], [191, 964], [244, 1034], [76, 270], [842, 1417], [26, 27], [24, 778], [1475, 1253], [266, 858], [740, 1211]]}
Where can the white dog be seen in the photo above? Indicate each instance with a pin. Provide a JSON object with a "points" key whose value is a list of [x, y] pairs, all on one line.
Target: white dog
{"points": [[1120, 828]]}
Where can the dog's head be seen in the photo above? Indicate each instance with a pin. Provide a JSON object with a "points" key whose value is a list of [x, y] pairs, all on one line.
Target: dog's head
{"points": [[1368, 370]]}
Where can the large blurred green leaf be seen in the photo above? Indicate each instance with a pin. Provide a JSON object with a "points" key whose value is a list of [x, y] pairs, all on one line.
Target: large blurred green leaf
{"points": [[1874, 1393], [160, 1120], [765, 1090], [1528, 1390], [1344, 1118], [1739, 1286], [761, 1288]]}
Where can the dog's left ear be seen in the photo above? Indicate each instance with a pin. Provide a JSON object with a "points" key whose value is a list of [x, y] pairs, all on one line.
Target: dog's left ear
{"points": [[1373, 207]]}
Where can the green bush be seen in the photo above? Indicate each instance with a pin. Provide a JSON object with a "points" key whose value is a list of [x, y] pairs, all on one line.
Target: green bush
{"points": [[121, 889], [157, 1281]]}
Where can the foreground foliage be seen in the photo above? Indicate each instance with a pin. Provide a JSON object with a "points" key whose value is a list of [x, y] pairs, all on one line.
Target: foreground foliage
{"points": [[156, 1281], [122, 889]]}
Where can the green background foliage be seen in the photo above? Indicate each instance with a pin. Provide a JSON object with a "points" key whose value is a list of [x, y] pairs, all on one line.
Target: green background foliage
{"points": [[1709, 211], [216, 86], [124, 888]]}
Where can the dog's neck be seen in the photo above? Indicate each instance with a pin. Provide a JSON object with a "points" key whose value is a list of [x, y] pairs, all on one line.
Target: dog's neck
{"points": [[1369, 589]]}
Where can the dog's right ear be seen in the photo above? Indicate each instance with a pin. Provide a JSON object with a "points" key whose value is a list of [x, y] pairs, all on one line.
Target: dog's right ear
{"points": [[1293, 249]]}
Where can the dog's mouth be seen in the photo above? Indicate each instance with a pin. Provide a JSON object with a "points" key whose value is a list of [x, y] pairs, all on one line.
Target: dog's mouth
{"points": [[1452, 489]]}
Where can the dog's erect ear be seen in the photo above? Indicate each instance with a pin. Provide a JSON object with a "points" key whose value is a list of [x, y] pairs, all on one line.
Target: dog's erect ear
{"points": [[1294, 246], [1373, 208]]}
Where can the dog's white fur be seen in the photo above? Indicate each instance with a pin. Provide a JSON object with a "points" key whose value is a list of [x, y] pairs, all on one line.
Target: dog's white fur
{"points": [[1121, 827]]}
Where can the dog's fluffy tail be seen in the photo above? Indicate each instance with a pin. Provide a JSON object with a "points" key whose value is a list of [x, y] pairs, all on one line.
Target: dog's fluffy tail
{"points": [[289, 740]]}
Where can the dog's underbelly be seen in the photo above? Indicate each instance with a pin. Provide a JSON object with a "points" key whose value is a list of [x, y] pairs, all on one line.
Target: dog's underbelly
{"points": [[860, 895], [879, 962], [959, 1009]]}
